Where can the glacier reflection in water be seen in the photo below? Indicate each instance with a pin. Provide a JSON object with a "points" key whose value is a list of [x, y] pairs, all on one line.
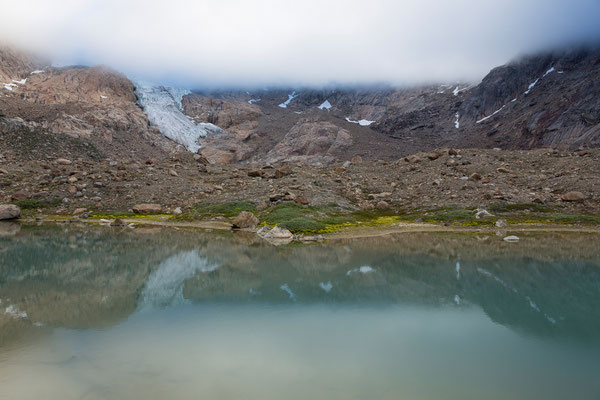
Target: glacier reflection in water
{"points": [[165, 285]]}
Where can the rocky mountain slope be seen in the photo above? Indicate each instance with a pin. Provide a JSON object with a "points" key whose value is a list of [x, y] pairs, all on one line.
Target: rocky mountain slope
{"points": [[546, 100]]}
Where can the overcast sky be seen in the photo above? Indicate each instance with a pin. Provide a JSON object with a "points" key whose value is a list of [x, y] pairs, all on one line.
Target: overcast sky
{"points": [[298, 42]]}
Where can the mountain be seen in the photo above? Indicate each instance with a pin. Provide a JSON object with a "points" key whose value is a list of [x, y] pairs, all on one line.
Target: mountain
{"points": [[543, 100]]}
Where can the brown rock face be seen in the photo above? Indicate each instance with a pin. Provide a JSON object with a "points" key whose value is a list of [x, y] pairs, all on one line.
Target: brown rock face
{"points": [[147, 208], [92, 111], [9, 211], [237, 117], [318, 141]]}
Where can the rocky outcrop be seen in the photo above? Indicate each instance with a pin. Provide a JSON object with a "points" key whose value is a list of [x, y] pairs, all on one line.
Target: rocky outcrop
{"points": [[237, 117], [311, 141]]}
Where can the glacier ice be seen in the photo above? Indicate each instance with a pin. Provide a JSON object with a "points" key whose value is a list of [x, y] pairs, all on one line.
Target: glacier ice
{"points": [[162, 105]]}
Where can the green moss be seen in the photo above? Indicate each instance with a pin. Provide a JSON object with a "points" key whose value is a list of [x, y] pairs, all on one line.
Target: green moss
{"points": [[557, 218], [285, 211], [34, 204], [337, 219], [230, 209], [507, 207], [112, 214], [303, 225]]}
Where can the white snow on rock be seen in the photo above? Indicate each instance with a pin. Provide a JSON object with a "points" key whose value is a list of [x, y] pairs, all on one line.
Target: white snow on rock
{"points": [[549, 71], [37, 71], [456, 91], [291, 97], [531, 85], [21, 82], [103, 97], [325, 106], [253, 101], [362, 122], [456, 123], [9, 86], [491, 115], [162, 105]]}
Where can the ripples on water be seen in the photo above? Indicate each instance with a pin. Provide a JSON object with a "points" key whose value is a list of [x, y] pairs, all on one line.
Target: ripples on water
{"points": [[95, 314]]}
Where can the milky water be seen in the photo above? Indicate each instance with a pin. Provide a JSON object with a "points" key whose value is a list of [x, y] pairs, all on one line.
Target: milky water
{"points": [[157, 314]]}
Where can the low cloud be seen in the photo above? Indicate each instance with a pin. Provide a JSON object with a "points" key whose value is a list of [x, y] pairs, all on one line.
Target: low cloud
{"points": [[309, 42]]}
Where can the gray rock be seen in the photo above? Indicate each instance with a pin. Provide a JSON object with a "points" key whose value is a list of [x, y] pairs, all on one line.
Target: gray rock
{"points": [[9, 211], [245, 220]]}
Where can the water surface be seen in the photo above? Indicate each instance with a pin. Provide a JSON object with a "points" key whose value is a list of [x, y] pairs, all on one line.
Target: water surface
{"points": [[160, 313]]}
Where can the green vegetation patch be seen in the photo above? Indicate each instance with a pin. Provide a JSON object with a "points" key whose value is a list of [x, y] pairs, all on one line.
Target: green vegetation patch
{"points": [[30, 204], [508, 207], [230, 209]]}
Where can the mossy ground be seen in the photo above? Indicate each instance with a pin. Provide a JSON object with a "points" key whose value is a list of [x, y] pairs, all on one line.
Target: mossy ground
{"points": [[330, 218]]}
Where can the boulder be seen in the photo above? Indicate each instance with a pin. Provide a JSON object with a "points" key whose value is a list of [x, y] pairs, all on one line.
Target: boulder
{"points": [[572, 196], [356, 159], [382, 205], [412, 159], [21, 195], [63, 161], [511, 239], [147, 208], [9, 211], [245, 220]]}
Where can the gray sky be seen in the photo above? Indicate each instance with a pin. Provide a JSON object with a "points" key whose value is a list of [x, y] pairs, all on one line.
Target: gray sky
{"points": [[301, 42]]}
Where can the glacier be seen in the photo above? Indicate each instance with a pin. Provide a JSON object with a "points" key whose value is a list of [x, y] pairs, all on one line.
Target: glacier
{"points": [[162, 105]]}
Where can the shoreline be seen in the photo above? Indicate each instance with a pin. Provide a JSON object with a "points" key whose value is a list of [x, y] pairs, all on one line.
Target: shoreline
{"points": [[349, 232]]}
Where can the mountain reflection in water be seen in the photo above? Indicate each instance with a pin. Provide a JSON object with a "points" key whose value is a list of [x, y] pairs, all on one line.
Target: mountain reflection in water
{"points": [[164, 306]]}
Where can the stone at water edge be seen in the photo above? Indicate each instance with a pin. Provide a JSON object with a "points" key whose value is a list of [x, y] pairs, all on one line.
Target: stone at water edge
{"points": [[9, 211], [511, 239], [147, 208], [482, 213], [244, 220], [573, 196], [275, 233]]}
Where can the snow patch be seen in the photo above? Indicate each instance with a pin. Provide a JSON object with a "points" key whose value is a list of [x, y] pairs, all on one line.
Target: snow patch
{"points": [[325, 106], [162, 105], [21, 82], [253, 101], [456, 123], [549, 71], [456, 91], [37, 71], [491, 115], [291, 97], [531, 85], [362, 122], [103, 97]]}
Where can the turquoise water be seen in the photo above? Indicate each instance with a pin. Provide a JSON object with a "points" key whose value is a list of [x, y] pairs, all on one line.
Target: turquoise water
{"points": [[166, 314]]}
